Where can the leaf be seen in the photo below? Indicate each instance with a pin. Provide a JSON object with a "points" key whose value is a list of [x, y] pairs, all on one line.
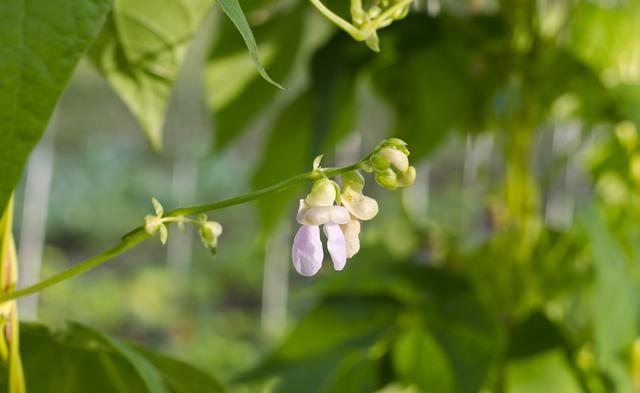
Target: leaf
{"points": [[439, 79], [311, 124], [42, 41], [285, 155], [180, 376], [545, 372], [235, 101], [82, 360], [538, 359], [615, 328], [419, 360], [332, 346], [140, 51], [150, 376], [234, 12]]}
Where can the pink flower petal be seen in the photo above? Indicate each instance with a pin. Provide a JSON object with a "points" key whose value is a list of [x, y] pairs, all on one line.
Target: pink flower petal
{"points": [[307, 251], [336, 245]]}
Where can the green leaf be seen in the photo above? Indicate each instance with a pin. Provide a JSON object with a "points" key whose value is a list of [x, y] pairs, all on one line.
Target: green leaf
{"points": [[311, 124], [333, 347], [544, 372], [285, 154], [615, 328], [42, 41], [419, 360], [236, 101], [140, 51], [538, 359], [180, 376], [234, 12], [440, 78], [81, 360]]}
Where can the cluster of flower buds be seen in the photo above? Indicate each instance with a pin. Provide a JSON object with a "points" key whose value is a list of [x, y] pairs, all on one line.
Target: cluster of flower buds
{"points": [[155, 224], [390, 163], [379, 14], [340, 209]]}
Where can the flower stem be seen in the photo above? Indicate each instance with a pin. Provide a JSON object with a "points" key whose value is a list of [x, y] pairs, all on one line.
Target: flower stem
{"points": [[343, 24], [138, 235]]}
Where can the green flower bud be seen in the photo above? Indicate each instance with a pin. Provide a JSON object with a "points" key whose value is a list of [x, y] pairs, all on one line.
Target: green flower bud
{"points": [[407, 178], [387, 179], [209, 232], [389, 157], [395, 143], [352, 181], [323, 193], [152, 224]]}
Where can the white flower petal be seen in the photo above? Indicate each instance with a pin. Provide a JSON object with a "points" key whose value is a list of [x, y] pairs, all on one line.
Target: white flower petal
{"points": [[361, 206], [319, 215], [351, 231], [307, 251], [336, 245]]}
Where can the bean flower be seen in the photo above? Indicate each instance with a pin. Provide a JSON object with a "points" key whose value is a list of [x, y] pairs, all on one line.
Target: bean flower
{"points": [[318, 209], [340, 212], [361, 208]]}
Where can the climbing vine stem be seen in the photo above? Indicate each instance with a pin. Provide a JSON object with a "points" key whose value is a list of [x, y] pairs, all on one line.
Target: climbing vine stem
{"points": [[138, 235]]}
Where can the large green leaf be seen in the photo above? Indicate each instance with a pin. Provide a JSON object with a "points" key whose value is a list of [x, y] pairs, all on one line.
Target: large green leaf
{"points": [[538, 360], [440, 78], [235, 101], [181, 377], [615, 327], [140, 51], [41, 43], [333, 347], [83, 360], [419, 360]]}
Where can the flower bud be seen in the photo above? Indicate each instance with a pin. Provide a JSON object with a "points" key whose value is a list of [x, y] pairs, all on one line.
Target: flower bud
{"points": [[407, 178], [209, 232], [395, 143], [352, 181], [390, 158], [152, 224], [323, 193], [387, 179]]}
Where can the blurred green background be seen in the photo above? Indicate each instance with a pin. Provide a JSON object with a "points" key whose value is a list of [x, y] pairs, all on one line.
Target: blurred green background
{"points": [[512, 264]]}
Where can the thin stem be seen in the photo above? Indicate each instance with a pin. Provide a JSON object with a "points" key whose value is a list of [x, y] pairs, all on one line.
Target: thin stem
{"points": [[343, 24], [138, 235]]}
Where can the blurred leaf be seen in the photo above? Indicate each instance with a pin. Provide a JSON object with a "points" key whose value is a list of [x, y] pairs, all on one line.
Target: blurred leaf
{"points": [[419, 360], [181, 377], [331, 346], [234, 12], [312, 123], [614, 327], [140, 51], [439, 78], [285, 154], [235, 101], [469, 336], [544, 372], [83, 360], [149, 375], [608, 37], [42, 42], [538, 359]]}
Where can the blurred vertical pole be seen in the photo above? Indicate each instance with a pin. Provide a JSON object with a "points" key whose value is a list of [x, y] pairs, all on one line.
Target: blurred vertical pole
{"points": [[184, 181], [34, 217], [559, 207], [275, 283]]}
